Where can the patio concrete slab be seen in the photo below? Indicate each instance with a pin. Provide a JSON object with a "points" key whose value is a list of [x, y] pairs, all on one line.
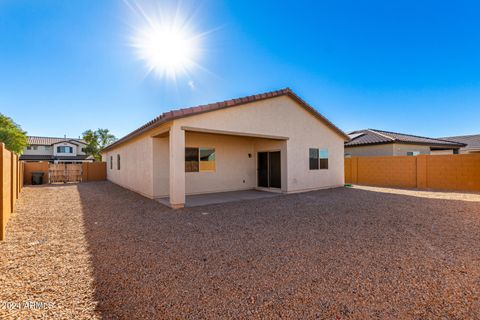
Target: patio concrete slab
{"points": [[222, 197]]}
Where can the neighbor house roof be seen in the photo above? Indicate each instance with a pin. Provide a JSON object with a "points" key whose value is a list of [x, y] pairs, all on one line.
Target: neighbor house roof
{"points": [[373, 136], [472, 141], [186, 112], [44, 141]]}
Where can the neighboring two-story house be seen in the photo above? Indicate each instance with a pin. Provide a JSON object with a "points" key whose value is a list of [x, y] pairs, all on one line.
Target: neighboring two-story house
{"points": [[56, 150]]}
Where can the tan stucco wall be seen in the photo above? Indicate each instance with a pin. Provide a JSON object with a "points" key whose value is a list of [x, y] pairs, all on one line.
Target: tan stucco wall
{"points": [[402, 149], [373, 150], [136, 166], [441, 152], [160, 167], [390, 149]]}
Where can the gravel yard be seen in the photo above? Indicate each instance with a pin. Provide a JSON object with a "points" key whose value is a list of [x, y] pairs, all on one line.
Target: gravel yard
{"points": [[95, 250]]}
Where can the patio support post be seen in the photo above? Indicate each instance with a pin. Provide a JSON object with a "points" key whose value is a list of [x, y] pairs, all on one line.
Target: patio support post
{"points": [[177, 167]]}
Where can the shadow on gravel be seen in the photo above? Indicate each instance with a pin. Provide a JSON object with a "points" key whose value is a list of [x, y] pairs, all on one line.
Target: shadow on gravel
{"points": [[340, 253]]}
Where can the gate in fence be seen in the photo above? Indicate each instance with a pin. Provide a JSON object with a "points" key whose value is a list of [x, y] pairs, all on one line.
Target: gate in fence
{"points": [[64, 172]]}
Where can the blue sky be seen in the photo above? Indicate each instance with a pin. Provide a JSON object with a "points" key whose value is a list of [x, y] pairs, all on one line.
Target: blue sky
{"points": [[408, 66]]}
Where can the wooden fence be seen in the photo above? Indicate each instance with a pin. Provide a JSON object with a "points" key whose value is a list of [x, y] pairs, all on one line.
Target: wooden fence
{"points": [[11, 175], [94, 171], [437, 172], [90, 171], [30, 167]]}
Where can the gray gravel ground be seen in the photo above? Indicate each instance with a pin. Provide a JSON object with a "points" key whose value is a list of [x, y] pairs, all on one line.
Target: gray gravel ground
{"points": [[97, 250]]}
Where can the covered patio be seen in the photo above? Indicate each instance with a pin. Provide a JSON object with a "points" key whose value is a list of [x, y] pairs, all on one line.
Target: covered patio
{"points": [[198, 200], [242, 166]]}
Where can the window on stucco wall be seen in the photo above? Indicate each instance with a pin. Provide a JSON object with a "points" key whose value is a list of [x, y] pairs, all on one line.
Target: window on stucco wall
{"points": [[200, 159], [318, 159]]}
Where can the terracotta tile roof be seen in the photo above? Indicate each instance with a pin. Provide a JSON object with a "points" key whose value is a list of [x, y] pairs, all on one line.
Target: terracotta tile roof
{"points": [[472, 141], [180, 113], [45, 141], [373, 136]]}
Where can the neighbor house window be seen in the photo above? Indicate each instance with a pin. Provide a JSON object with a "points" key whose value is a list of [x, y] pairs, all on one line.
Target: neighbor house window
{"points": [[64, 149], [111, 162], [118, 162], [29, 148], [413, 153], [318, 158], [199, 159], [83, 150]]}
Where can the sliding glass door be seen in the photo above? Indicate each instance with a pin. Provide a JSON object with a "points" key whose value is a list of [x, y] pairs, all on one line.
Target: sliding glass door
{"points": [[269, 169]]}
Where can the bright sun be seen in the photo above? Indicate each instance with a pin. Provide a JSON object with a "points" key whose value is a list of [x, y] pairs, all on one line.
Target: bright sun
{"points": [[166, 45], [167, 50]]}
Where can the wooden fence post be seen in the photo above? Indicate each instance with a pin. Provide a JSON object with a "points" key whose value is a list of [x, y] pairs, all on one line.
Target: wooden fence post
{"points": [[19, 184], [12, 182], [84, 171]]}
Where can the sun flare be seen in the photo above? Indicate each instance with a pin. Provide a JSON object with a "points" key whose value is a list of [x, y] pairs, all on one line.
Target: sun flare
{"points": [[166, 50], [166, 43]]}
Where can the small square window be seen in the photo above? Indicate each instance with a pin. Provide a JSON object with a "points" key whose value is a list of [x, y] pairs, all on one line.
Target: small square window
{"points": [[199, 159], [318, 159]]}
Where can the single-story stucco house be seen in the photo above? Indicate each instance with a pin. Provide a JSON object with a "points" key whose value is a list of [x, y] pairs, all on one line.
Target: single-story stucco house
{"points": [[472, 143], [271, 141], [373, 142]]}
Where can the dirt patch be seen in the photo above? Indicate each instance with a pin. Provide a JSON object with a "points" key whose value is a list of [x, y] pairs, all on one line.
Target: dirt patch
{"points": [[98, 250], [45, 269], [475, 197]]}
